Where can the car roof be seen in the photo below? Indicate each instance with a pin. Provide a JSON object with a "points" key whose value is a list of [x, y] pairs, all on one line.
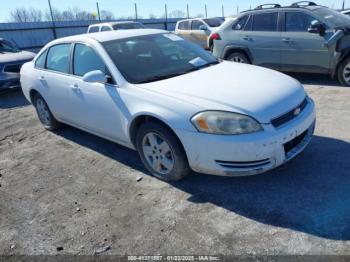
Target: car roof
{"points": [[109, 35], [116, 23], [283, 8]]}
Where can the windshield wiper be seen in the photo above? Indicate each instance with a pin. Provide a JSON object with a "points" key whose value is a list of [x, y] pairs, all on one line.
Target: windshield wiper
{"points": [[162, 77]]}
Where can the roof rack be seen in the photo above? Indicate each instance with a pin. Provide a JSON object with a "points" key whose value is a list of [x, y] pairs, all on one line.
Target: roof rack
{"points": [[303, 3], [270, 6]]}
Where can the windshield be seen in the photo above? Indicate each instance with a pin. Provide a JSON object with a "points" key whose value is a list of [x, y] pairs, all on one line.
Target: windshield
{"points": [[128, 26], [7, 47], [213, 22], [150, 58], [333, 18]]}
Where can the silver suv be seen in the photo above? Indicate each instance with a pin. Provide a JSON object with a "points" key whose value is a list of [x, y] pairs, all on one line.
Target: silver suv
{"points": [[303, 37], [11, 61]]}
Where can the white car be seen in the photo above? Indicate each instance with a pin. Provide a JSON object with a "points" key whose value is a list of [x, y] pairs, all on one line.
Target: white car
{"points": [[110, 26], [173, 102]]}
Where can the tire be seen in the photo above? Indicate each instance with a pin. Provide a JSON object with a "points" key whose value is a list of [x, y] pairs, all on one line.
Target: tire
{"points": [[44, 114], [238, 57], [170, 164], [343, 72]]}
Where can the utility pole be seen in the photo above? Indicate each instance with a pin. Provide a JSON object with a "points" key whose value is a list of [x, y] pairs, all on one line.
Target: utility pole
{"points": [[135, 11], [206, 11], [343, 5], [53, 21], [166, 17], [222, 11], [98, 12], [188, 12]]}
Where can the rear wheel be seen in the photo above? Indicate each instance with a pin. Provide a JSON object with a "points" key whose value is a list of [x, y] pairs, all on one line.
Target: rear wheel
{"points": [[238, 57], [344, 72], [44, 113], [161, 152]]}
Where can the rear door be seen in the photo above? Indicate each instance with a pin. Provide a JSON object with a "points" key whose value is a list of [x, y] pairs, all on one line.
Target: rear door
{"points": [[262, 36], [53, 82], [303, 51]]}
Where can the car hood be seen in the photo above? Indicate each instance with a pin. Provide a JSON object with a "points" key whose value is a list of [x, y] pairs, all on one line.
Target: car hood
{"points": [[16, 57], [255, 91]]}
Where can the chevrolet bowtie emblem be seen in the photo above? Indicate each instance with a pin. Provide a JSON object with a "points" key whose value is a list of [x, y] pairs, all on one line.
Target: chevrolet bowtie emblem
{"points": [[297, 111]]}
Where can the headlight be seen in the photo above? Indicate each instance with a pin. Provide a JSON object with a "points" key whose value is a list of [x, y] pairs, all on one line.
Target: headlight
{"points": [[225, 123]]}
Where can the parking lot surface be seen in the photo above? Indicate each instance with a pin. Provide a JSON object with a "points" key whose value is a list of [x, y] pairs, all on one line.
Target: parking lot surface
{"points": [[72, 192]]}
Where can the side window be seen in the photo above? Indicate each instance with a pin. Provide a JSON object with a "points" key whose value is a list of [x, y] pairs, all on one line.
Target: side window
{"points": [[183, 25], [105, 28], [298, 22], [58, 58], [85, 60], [196, 24], [240, 23], [40, 61], [93, 29], [265, 22]]}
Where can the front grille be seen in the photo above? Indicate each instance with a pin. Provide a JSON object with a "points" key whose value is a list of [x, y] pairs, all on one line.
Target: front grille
{"points": [[16, 68], [279, 121], [244, 164], [294, 142]]}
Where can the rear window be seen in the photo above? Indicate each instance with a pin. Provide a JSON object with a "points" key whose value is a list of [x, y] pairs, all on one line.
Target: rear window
{"points": [[196, 24], [265, 22], [240, 23], [184, 25], [93, 29], [213, 22], [105, 28]]}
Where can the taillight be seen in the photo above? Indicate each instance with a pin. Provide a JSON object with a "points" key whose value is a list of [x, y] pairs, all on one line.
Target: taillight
{"points": [[215, 36]]}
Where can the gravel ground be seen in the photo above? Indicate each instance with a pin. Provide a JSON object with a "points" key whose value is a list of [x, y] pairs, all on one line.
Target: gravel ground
{"points": [[70, 192]]}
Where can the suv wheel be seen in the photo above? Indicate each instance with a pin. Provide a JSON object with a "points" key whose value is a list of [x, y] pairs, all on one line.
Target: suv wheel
{"points": [[161, 152], [44, 113], [344, 72], [238, 57]]}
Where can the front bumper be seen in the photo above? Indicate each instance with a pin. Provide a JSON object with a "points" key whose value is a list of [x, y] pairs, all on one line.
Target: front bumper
{"points": [[249, 154], [9, 80]]}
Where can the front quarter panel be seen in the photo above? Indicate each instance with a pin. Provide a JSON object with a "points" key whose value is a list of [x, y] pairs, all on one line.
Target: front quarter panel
{"points": [[138, 101]]}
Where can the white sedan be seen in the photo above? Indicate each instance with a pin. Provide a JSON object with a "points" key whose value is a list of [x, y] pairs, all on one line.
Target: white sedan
{"points": [[173, 102]]}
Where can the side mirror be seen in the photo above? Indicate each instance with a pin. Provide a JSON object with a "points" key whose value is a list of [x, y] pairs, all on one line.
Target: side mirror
{"points": [[95, 76], [203, 27], [316, 28]]}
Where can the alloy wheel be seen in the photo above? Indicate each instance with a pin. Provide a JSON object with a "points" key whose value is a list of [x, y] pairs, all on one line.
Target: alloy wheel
{"points": [[43, 111], [346, 73], [158, 153]]}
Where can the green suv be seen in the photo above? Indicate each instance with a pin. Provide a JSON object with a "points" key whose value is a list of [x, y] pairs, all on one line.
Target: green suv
{"points": [[303, 37]]}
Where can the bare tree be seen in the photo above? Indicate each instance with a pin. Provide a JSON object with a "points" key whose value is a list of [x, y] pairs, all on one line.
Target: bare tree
{"points": [[152, 16], [107, 15], [177, 14], [21, 15]]}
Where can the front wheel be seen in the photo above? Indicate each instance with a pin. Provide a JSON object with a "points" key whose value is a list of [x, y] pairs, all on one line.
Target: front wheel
{"points": [[161, 152], [344, 72]]}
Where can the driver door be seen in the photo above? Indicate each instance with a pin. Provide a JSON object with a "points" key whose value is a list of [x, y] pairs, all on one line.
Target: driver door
{"points": [[199, 36], [302, 51], [94, 105]]}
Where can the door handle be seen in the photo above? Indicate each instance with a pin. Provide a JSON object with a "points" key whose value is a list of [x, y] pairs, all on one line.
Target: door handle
{"points": [[286, 40], [75, 88], [247, 38]]}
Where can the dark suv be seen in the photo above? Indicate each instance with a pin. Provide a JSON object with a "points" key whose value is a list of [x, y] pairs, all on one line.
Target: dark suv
{"points": [[303, 37]]}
